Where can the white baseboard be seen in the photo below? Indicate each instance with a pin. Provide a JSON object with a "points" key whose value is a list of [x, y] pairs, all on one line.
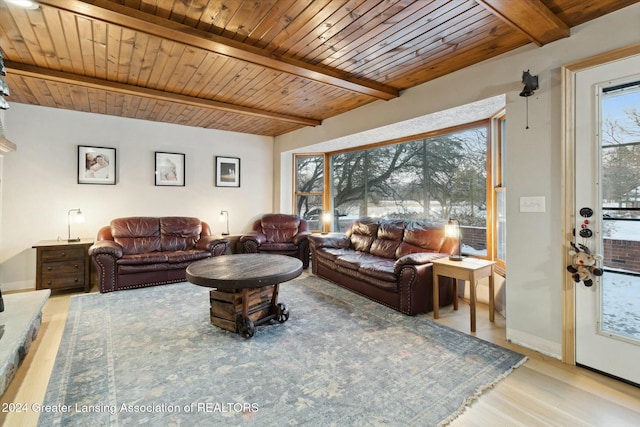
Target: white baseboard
{"points": [[20, 285], [532, 342]]}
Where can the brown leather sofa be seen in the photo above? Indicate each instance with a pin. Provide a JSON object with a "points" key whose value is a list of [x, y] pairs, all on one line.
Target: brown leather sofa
{"points": [[388, 261], [143, 251], [279, 234]]}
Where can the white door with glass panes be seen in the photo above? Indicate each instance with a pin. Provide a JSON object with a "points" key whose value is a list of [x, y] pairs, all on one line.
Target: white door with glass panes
{"points": [[607, 217]]}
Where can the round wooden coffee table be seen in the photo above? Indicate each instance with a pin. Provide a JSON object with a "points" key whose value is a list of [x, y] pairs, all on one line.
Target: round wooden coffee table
{"points": [[246, 288]]}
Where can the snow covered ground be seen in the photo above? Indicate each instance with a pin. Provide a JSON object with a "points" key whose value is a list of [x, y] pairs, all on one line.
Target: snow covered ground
{"points": [[622, 230], [621, 293], [621, 305]]}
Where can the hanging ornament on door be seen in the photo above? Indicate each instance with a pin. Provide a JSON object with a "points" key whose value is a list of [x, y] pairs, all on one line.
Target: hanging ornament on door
{"points": [[583, 262], [585, 232]]}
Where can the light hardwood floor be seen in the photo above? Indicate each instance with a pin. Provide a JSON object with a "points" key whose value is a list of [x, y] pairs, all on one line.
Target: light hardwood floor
{"points": [[542, 392]]}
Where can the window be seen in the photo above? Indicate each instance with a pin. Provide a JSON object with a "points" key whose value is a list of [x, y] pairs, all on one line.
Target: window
{"points": [[500, 194], [455, 173], [431, 177], [620, 198], [309, 188]]}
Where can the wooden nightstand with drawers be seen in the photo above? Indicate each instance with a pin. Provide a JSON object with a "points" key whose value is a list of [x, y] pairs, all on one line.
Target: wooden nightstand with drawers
{"points": [[63, 265]]}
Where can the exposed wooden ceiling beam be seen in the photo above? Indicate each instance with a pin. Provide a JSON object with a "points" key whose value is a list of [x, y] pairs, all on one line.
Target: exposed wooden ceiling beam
{"points": [[134, 19], [531, 17], [93, 83]]}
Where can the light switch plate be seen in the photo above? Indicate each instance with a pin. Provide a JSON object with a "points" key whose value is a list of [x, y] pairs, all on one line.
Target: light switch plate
{"points": [[532, 204]]}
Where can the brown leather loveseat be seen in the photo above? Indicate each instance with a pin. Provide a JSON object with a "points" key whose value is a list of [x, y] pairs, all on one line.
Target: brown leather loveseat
{"points": [[144, 251], [386, 260]]}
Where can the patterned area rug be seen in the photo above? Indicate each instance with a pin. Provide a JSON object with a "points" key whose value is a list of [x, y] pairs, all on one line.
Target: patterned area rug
{"points": [[151, 357]]}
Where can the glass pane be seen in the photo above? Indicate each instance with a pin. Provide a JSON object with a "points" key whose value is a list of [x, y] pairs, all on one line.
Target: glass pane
{"points": [[503, 152], [310, 208], [391, 178], [464, 190], [501, 224], [621, 305], [309, 174], [348, 189], [430, 179], [620, 160]]}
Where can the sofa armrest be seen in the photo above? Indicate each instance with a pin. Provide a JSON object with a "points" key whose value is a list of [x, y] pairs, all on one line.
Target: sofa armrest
{"points": [[108, 247], [339, 241], [300, 236], [256, 236], [105, 255], [209, 243], [418, 258], [251, 241]]}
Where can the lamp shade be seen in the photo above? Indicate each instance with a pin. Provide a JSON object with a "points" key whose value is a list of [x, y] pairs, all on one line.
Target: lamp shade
{"points": [[79, 217], [74, 216], [452, 230], [224, 215]]}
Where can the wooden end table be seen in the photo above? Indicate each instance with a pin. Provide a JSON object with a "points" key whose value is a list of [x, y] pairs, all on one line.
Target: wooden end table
{"points": [[63, 265], [471, 269], [246, 288]]}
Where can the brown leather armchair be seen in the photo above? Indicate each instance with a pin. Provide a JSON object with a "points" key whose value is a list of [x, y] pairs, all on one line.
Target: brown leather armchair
{"points": [[279, 234]]}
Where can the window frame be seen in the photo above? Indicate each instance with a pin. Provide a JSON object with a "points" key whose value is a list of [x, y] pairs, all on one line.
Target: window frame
{"points": [[494, 173], [499, 185], [297, 193]]}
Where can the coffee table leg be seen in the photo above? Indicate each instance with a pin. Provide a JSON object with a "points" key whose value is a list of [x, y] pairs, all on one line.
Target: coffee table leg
{"points": [[245, 303], [281, 312], [246, 326], [274, 296]]}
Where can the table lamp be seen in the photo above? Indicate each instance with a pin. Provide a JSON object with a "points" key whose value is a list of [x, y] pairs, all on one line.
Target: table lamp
{"points": [[453, 230], [76, 218], [225, 215]]}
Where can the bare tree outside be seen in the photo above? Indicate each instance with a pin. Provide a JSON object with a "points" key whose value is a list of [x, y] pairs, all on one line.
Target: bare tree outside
{"points": [[429, 179], [621, 160], [310, 188]]}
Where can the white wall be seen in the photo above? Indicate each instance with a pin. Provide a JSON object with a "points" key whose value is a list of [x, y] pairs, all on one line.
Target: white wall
{"points": [[39, 181], [534, 240]]}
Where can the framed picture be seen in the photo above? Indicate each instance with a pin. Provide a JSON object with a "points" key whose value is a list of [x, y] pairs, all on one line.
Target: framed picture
{"points": [[96, 165], [227, 171], [170, 169]]}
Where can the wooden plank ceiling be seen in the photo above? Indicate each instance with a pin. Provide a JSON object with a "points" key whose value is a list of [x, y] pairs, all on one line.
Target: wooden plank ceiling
{"points": [[262, 67]]}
